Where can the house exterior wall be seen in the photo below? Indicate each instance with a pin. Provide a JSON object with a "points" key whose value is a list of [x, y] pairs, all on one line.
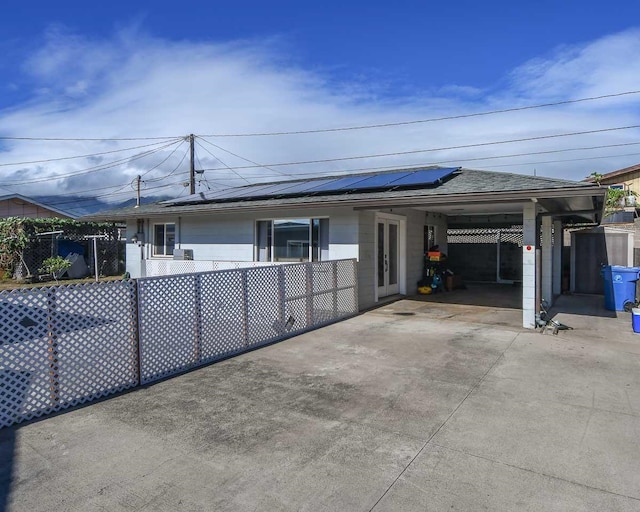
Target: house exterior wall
{"points": [[18, 208], [366, 259], [631, 179], [231, 237], [416, 220]]}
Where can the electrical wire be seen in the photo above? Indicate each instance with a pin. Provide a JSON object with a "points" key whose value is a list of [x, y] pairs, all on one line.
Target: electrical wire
{"points": [[420, 121], [228, 168], [567, 160], [245, 159], [125, 193], [172, 172], [76, 139], [89, 170], [82, 156], [446, 148], [455, 161]]}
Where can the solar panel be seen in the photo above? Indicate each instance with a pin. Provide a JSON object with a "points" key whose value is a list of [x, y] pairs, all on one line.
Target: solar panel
{"points": [[424, 177], [378, 181], [336, 184], [382, 181], [305, 186]]}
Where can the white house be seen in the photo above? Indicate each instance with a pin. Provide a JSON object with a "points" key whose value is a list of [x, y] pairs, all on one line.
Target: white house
{"points": [[385, 220]]}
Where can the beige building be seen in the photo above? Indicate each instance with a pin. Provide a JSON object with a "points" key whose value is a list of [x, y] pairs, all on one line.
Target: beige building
{"points": [[15, 205], [629, 177]]}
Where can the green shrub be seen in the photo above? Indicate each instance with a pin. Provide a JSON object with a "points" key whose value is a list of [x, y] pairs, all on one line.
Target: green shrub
{"points": [[55, 266]]}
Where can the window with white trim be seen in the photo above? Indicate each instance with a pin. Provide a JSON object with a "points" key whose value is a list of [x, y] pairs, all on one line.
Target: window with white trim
{"points": [[283, 240], [164, 239]]}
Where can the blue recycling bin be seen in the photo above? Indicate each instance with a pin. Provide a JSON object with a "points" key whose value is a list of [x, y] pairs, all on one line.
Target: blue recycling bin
{"points": [[619, 286]]}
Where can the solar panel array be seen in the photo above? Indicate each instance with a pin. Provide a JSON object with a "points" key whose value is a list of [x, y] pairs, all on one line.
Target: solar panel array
{"points": [[336, 185]]}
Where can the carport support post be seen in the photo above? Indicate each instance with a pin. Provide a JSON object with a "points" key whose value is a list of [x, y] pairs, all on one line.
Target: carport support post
{"points": [[529, 240], [558, 239], [547, 260]]}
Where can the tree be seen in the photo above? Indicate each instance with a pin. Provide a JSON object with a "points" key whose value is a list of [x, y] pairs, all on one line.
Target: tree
{"points": [[596, 176], [55, 266]]}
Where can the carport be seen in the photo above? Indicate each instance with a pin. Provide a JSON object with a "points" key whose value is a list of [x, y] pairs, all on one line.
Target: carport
{"points": [[527, 212]]}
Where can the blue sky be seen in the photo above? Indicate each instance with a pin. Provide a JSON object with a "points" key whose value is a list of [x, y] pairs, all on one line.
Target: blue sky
{"points": [[144, 69]]}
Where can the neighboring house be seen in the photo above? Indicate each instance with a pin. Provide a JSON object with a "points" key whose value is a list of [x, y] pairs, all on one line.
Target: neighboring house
{"points": [[629, 177], [384, 220], [16, 205], [617, 242]]}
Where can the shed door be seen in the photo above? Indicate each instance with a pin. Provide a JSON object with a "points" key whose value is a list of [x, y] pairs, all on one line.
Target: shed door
{"points": [[594, 250]]}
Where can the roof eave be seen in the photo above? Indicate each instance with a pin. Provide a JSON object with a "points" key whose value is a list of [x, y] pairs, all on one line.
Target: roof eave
{"points": [[355, 202]]}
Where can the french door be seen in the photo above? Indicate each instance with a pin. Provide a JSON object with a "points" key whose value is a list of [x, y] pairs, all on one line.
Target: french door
{"points": [[388, 256]]}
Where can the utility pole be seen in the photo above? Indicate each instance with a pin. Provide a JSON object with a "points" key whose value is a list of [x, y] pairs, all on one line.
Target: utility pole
{"points": [[138, 180], [192, 173]]}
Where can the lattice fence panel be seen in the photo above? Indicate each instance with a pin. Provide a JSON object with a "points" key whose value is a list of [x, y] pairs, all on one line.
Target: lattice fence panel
{"points": [[265, 305], [65, 345], [297, 313], [347, 302], [195, 319], [295, 280], [484, 236], [322, 276], [169, 326], [222, 306], [346, 273], [323, 308]]}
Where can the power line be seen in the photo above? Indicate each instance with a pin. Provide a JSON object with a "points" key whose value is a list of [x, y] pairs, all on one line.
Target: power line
{"points": [[82, 156], [125, 193], [76, 139], [228, 168], [567, 160], [420, 121], [460, 160], [446, 148], [243, 158], [89, 170]]}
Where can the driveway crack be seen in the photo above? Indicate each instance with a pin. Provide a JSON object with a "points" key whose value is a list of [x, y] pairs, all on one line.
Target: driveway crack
{"points": [[514, 466], [428, 441]]}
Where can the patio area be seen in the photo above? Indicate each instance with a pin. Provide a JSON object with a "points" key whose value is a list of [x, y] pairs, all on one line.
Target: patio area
{"points": [[416, 405]]}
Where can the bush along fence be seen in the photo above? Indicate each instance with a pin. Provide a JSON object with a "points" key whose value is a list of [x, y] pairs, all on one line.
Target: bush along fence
{"points": [[71, 344], [26, 243]]}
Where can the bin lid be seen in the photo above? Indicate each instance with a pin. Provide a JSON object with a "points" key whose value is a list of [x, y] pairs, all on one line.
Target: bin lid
{"points": [[621, 269]]}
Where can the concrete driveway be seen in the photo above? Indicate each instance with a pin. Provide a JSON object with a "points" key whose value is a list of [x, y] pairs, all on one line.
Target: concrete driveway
{"points": [[413, 406]]}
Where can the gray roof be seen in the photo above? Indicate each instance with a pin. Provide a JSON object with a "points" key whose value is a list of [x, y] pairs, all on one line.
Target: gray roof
{"points": [[463, 182]]}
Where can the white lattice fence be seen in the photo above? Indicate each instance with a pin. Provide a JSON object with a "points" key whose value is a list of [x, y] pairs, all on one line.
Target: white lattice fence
{"points": [[190, 320], [64, 345], [167, 267]]}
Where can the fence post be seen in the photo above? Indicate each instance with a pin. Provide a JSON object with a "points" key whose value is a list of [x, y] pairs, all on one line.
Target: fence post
{"points": [[198, 319], [282, 293], [141, 340], [52, 349], [135, 330], [309, 285], [245, 308], [334, 270]]}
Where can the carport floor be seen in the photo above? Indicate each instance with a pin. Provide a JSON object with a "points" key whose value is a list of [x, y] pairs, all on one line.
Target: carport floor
{"points": [[384, 412]]}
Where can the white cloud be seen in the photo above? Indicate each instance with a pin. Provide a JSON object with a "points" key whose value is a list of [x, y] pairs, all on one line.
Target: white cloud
{"points": [[138, 86]]}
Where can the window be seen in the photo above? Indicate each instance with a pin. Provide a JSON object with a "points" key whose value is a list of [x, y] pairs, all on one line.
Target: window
{"points": [[429, 237], [164, 239], [282, 240]]}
